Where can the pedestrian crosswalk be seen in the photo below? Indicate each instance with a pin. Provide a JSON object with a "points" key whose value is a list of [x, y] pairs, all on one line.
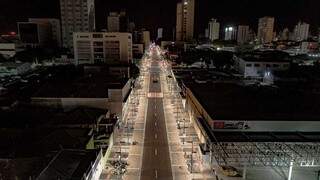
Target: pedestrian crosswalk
{"points": [[155, 95]]}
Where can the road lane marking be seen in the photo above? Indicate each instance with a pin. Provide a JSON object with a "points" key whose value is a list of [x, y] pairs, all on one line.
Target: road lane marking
{"points": [[156, 173], [155, 136], [155, 152], [155, 123]]}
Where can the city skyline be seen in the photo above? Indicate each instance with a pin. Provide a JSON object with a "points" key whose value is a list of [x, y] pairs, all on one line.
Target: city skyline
{"points": [[286, 13], [167, 89]]}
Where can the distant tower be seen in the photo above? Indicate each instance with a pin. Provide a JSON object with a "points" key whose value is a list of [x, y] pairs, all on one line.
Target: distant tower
{"points": [[243, 34], [113, 22], [146, 38], [160, 33], [214, 29], [265, 29], [301, 31], [185, 20], [285, 34], [76, 16], [230, 33]]}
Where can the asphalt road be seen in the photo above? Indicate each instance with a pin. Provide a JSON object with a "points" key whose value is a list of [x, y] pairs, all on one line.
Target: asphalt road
{"points": [[156, 159]]}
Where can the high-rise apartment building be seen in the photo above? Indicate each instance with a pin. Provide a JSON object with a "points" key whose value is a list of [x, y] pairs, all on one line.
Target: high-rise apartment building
{"points": [[124, 21], [35, 34], [243, 34], [55, 28], [185, 20], [113, 22], [102, 47], [285, 34], [76, 16], [132, 27], [146, 39], [301, 31], [160, 33], [118, 22], [265, 29], [214, 29], [230, 33]]}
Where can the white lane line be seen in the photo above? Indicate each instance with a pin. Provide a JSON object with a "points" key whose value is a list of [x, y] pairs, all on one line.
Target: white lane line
{"points": [[156, 174], [145, 123], [155, 123], [155, 152]]}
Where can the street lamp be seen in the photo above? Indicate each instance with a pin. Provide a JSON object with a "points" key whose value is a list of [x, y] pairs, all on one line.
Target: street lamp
{"points": [[128, 131], [192, 156], [184, 126]]}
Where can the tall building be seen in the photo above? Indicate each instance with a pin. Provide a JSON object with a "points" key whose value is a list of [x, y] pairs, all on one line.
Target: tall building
{"points": [[113, 22], [76, 16], [137, 37], [118, 22], [265, 29], [34, 34], [146, 39], [124, 21], [243, 34], [132, 27], [214, 29], [301, 31], [102, 47], [285, 34], [185, 20], [252, 35], [230, 33], [55, 28], [160, 33], [206, 33]]}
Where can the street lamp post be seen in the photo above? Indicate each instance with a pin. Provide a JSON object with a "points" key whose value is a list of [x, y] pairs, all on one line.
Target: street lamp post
{"points": [[119, 128], [128, 132], [192, 156], [184, 126]]}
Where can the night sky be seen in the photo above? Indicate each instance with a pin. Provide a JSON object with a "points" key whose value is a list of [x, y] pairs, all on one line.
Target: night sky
{"points": [[161, 13]]}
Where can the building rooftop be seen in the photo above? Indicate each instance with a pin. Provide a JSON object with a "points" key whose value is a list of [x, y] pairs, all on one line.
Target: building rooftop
{"points": [[62, 164], [36, 116], [69, 164], [267, 136], [265, 56], [25, 143], [231, 101], [77, 83], [23, 168]]}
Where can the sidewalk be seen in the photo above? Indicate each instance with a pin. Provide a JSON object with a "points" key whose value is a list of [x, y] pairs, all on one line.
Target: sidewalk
{"points": [[179, 142], [136, 151], [131, 152]]}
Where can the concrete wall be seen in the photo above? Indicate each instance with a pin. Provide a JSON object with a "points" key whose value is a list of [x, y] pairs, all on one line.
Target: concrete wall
{"points": [[117, 99], [254, 71]]}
